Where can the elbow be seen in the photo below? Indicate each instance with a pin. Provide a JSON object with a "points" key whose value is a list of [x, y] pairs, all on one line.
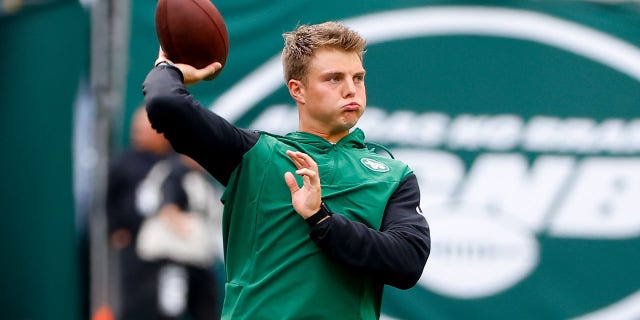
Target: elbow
{"points": [[413, 271], [408, 280], [406, 284], [411, 277], [156, 104], [160, 107]]}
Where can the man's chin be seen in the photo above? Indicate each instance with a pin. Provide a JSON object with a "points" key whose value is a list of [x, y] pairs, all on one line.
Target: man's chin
{"points": [[348, 125], [349, 121]]}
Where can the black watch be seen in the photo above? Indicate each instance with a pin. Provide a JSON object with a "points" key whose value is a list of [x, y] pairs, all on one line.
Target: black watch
{"points": [[321, 214]]}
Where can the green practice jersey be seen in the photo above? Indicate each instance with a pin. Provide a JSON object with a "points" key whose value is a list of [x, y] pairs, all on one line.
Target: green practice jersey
{"points": [[274, 270]]}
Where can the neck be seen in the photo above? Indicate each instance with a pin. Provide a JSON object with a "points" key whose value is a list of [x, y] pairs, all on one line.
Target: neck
{"points": [[331, 137]]}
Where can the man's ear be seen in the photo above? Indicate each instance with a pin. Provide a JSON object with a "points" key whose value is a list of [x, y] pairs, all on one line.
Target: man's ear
{"points": [[296, 90]]}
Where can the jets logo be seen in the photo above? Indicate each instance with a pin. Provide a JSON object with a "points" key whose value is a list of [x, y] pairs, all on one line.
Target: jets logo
{"points": [[374, 165]]}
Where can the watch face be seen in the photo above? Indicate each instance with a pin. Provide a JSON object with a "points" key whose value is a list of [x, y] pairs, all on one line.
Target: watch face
{"points": [[323, 207]]}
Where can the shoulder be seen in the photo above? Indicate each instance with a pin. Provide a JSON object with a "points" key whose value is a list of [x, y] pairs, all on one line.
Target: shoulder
{"points": [[270, 141]]}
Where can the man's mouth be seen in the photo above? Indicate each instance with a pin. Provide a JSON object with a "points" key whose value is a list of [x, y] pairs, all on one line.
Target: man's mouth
{"points": [[351, 106]]}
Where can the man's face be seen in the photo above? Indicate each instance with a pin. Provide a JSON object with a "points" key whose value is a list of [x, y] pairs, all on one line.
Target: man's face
{"points": [[333, 96]]}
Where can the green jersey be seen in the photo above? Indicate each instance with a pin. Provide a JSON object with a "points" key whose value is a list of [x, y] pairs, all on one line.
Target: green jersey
{"points": [[274, 270]]}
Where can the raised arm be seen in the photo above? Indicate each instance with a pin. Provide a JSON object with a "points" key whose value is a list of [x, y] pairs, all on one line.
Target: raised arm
{"points": [[192, 129]]}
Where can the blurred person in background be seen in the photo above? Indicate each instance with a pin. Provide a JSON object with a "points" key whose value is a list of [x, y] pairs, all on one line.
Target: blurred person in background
{"points": [[136, 278], [163, 224], [183, 233]]}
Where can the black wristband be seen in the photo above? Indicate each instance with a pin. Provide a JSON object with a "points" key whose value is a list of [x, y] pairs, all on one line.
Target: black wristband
{"points": [[169, 64], [166, 63], [321, 214]]}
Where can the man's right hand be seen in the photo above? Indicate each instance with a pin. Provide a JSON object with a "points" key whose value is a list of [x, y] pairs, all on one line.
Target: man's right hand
{"points": [[190, 74]]}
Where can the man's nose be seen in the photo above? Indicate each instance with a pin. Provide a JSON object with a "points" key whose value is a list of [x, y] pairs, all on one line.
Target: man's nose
{"points": [[349, 88]]}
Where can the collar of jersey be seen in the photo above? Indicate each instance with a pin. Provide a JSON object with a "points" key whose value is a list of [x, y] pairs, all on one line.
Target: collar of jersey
{"points": [[355, 139]]}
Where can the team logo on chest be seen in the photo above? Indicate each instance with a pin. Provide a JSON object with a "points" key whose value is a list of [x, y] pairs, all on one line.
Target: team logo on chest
{"points": [[374, 165]]}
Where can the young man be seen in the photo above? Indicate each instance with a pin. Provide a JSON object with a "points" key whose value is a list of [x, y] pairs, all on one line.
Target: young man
{"points": [[320, 245]]}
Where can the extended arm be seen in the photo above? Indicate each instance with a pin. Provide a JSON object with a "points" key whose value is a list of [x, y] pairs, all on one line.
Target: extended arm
{"points": [[395, 255], [192, 129]]}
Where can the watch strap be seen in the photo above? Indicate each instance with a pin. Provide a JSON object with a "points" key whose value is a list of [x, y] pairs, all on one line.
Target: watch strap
{"points": [[165, 63], [318, 216]]}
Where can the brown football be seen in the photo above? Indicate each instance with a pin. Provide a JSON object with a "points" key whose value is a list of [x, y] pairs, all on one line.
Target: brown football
{"points": [[192, 32]]}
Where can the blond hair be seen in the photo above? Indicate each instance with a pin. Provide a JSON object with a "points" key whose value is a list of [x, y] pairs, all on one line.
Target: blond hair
{"points": [[300, 45]]}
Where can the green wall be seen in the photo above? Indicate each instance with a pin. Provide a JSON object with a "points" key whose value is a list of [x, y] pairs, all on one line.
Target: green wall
{"points": [[44, 53]]}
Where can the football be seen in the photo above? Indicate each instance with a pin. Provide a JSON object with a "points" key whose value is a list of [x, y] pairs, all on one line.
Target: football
{"points": [[192, 32]]}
